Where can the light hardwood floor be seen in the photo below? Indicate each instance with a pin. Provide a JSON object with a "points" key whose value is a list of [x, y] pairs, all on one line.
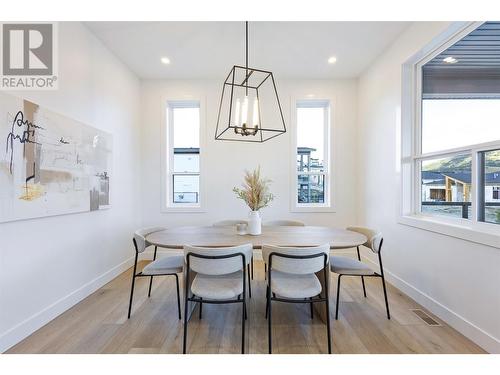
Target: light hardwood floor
{"points": [[99, 324]]}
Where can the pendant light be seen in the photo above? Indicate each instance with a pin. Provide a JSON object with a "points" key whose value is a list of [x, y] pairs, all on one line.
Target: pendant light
{"points": [[249, 109]]}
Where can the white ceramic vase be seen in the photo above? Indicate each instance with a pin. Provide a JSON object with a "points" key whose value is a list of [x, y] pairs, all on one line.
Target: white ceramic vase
{"points": [[254, 223]]}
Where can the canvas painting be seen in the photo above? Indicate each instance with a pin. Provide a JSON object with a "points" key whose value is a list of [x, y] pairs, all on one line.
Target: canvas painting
{"points": [[50, 164]]}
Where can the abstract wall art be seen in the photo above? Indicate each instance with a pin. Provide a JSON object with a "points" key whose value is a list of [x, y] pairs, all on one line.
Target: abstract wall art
{"points": [[49, 163]]}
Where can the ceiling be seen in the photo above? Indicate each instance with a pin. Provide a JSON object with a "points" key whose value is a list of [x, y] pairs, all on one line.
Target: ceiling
{"points": [[209, 49], [478, 50]]}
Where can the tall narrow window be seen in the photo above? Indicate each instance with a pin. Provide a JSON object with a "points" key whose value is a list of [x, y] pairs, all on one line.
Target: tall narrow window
{"points": [[183, 166], [313, 153]]}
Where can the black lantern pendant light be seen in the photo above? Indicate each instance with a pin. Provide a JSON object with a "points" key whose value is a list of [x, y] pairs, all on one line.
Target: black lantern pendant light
{"points": [[250, 109]]}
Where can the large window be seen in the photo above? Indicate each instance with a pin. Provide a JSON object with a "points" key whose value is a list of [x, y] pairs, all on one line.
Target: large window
{"points": [[183, 154], [312, 154], [455, 159]]}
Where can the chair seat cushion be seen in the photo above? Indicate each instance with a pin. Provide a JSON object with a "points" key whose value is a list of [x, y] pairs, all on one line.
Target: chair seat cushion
{"points": [[349, 266], [295, 286], [165, 265], [218, 287]]}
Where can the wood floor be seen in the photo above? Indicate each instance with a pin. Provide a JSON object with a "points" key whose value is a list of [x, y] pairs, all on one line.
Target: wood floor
{"points": [[99, 324]]}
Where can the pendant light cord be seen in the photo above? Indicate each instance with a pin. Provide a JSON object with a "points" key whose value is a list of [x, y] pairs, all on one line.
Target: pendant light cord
{"points": [[246, 56]]}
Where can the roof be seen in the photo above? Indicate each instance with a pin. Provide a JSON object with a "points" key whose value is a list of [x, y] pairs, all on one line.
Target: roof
{"points": [[437, 178], [186, 150], [305, 150]]}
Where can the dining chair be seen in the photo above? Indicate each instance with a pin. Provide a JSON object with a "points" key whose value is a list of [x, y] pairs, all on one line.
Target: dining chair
{"points": [[169, 265], [220, 278], [292, 278], [233, 223], [284, 223], [345, 266]]}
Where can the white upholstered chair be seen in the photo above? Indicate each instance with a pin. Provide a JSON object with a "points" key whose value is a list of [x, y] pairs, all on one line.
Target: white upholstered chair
{"points": [[233, 223], [284, 223], [345, 266], [292, 278], [220, 278], [169, 265]]}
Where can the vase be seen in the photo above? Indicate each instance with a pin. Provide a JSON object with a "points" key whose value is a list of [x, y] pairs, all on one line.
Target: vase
{"points": [[254, 223]]}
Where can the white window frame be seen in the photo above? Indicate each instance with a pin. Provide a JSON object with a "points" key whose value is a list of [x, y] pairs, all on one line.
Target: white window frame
{"points": [[167, 156], [411, 155], [329, 171]]}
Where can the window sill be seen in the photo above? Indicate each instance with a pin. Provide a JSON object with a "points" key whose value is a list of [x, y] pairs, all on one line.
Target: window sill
{"points": [[481, 233], [180, 209], [316, 209]]}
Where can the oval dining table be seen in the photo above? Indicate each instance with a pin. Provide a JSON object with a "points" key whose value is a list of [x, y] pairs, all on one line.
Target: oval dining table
{"points": [[221, 236]]}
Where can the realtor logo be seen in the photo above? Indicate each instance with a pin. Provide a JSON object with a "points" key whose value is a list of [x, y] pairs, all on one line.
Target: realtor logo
{"points": [[28, 56]]}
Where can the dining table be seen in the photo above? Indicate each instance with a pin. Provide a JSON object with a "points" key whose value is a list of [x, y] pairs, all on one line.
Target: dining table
{"points": [[289, 236]]}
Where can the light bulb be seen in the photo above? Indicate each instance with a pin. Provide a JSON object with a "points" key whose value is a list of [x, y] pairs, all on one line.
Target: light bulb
{"points": [[255, 112], [237, 113], [244, 111]]}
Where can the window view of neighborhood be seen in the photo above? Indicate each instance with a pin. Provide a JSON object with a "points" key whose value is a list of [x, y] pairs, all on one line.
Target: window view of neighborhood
{"points": [[311, 169], [186, 176], [185, 173], [311, 187], [446, 186], [447, 180]]}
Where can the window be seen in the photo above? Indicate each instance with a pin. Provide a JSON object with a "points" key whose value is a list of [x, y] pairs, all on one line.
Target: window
{"points": [[312, 154], [451, 139], [489, 181], [183, 154]]}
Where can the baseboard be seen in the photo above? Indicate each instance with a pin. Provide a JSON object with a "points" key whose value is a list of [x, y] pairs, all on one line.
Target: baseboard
{"points": [[462, 325], [38, 320]]}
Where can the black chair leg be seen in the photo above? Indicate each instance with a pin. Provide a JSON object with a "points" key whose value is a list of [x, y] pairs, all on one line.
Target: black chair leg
{"points": [[383, 284], [243, 318], [184, 342], [328, 324], [265, 271], [363, 282], [201, 307], [252, 266], [150, 285], [312, 310], [178, 296], [267, 301], [249, 285], [385, 297], [131, 296], [338, 299], [269, 322]]}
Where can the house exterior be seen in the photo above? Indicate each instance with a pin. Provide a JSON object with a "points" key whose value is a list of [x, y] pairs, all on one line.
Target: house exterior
{"points": [[311, 187], [456, 186]]}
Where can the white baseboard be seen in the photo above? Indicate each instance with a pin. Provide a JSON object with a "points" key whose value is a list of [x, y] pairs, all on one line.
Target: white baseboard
{"points": [[22, 330], [462, 325]]}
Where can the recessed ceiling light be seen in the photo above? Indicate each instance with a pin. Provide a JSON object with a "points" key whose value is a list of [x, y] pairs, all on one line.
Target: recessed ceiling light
{"points": [[165, 60], [332, 60], [450, 60]]}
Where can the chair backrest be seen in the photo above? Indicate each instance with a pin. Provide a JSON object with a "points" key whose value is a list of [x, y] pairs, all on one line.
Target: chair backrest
{"points": [[280, 261], [374, 238], [228, 223], [222, 266], [140, 237], [285, 223]]}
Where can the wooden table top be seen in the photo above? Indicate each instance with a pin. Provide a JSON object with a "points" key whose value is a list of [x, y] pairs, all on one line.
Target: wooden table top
{"points": [[214, 236]]}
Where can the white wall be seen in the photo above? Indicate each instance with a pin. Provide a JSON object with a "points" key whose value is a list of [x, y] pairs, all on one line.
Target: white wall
{"points": [[49, 264], [456, 279], [227, 161]]}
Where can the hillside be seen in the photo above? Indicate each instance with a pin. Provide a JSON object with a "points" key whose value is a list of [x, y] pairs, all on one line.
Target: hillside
{"points": [[463, 163]]}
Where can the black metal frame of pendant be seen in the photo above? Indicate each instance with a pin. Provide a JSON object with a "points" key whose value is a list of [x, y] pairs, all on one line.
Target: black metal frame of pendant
{"points": [[247, 133]]}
